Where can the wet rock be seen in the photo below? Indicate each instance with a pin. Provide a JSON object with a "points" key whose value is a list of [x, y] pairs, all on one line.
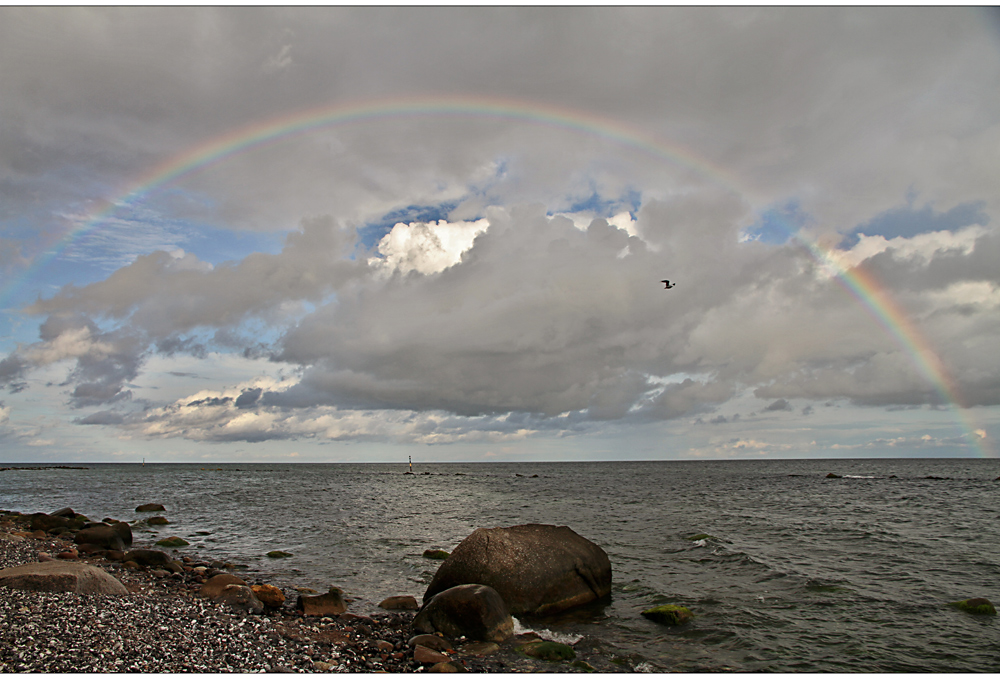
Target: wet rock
{"points": [[278, 554], [101, 535], [446, 668], [173, 541], [157, 521], [428, 656], [476, 612], [438, 554], [68, 554], [549, 651], [321, 666], [44, 522], [430, 641], [240, 598], [385, 646], [478, 648], [64, 512], [831, 475], [331, 603], [150, 507], [668, 614], [114, 555], [537, 569], [977, 606], [9, 537], [56, 576], [269, 595], [148, 557], [399, 603], [214, 586]]}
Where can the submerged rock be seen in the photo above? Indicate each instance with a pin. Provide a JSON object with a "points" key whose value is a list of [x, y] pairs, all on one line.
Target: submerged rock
{"points": [[173, 541], [550, 651], [439, 554], [537, 569], [150, 507], [977, 606], [668, 614], [476, 612], [278, 554]]}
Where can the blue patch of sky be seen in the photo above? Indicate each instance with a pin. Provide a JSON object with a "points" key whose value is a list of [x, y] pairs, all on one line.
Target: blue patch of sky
{"points": [[608, 207], [908, 221], [372, 232], [777, 224]]}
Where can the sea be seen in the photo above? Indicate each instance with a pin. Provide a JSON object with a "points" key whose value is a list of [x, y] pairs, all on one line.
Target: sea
{"points": [[791, 570]]}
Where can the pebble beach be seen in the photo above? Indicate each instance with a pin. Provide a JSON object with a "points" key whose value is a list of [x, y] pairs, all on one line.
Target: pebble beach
{"points": [[163, 625]]}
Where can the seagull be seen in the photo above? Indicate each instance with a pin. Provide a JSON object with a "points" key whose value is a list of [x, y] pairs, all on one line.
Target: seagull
{"points": [[667, 285]]}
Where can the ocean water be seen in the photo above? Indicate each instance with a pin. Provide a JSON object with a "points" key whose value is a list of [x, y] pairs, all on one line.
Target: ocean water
{"points": [[802, 573]]}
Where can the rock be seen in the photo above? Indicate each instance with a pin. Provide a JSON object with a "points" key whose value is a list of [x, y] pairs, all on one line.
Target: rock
{"points": [[550, 651], [701, 536], [430, 641], [385, 646], [39, 534], [91, 549], [478, 648], [321, 666], [438, 554], [537, 569], [331, 603], [157, 521], [173, 541], [269, 595], [831, 475], [9, 537], [278, 554], [977, 606], [124, 530], [476, 612], [400, 603], [582, 665], [44, 522], [445, 668], [240, 598], [150, 507], [114, 555], [102, 535], [668, 614], [148, 557], [217, 583], [61, 576], [65, 512], [428, 656], [68, 554], [42, 556]]}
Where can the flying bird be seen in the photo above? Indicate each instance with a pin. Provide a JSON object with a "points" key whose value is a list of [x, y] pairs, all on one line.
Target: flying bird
{"points": [[667, 285]]}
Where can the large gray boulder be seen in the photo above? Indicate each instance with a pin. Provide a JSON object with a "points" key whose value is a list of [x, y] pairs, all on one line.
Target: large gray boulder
{"points": [[61, 576], [475, 612], [537, 569]]}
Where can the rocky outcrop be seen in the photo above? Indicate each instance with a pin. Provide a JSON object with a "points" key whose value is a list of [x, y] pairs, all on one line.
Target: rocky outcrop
{"points": [[331, 603], [977, 606], [61, 576], [476, 612], [537, 569]]}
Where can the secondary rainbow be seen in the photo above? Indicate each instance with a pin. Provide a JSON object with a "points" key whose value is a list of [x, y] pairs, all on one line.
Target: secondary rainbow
{"points": [[860, 284]]}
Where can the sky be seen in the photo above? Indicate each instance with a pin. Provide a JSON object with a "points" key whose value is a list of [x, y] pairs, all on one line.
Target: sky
{"points": [[361, 234]]}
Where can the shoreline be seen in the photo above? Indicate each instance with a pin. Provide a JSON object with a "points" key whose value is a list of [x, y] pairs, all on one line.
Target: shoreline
{"points": [[164, 625]]}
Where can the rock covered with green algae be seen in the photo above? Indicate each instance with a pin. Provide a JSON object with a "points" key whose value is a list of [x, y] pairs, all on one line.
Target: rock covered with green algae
{"points": [[668, 614], [550, 651], [173, 542], [977, 606]]}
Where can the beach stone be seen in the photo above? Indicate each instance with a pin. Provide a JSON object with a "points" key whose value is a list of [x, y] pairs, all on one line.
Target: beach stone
{"points": [[278, 554], [478, 648], [331, 603], [321, 666], [68, 554], [214, 586], [114, 555], [399, 603], [977, 606], [64, 512], [157, 521], [476, 612], [61, 576], [42, 556], [668, 614], [438, 554], [148, 557], [44, 522], [269, 595], [240, 598], [39, 534], [150, 507], [10, 537], [537, 569], [428, 656], [445, 668], [91, 549], [102, 535], [831, 475], [430, 641], [173, 541]]}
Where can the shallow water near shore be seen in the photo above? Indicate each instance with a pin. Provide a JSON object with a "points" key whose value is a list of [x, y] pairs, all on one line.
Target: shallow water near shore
{"points": [[800, 573]]}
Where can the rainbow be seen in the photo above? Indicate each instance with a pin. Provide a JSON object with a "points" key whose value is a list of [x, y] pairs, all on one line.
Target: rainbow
{"points": [[860, 284]]}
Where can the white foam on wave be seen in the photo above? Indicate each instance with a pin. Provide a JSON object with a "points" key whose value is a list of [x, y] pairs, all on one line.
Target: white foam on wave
{"points": [[548, 635]]}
